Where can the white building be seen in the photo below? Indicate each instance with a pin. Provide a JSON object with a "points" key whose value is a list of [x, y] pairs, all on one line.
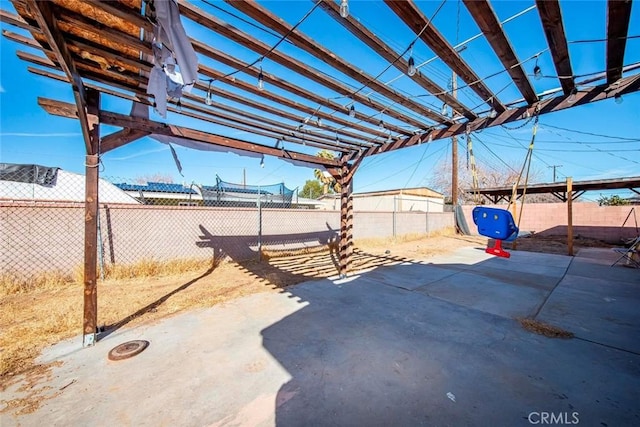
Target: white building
{"points": [[420, 199], [66, 187]]}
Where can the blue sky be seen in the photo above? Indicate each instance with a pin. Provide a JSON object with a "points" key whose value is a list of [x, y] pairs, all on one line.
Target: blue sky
{"points": [[29, 135]]}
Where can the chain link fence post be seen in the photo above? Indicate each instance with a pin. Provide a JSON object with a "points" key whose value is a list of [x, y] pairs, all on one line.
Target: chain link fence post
{"points": [[259, 226]]}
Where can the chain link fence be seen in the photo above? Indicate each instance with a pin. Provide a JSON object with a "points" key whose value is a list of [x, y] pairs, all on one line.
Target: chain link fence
{"points": [[42, 221]]}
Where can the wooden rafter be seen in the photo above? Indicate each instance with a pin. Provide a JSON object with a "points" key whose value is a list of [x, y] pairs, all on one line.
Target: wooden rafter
{"points": [[388, 53], [209, 21], [597, 93], [256, 123], [137, 45], [48, 25], [17, 21], [618, 17], [417, 21], [489, 24], [120, 138], [277, 82], [551, 17], [265, 17], [67, 110], [296, 137]]}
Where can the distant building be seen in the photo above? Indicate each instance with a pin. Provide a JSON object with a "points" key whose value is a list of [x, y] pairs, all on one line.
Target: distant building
{"points": [[420, 199], [161, 193], [37, 183]]}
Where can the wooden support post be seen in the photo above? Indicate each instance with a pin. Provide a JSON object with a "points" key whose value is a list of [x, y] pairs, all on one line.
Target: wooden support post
{"points": [[570, 215], [454, 148], [92, 163], [346, 217]]}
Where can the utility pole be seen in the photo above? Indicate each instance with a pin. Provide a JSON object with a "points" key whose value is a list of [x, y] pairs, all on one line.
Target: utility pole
{"points": [[244, 177], [554, 170], [454, 147]]}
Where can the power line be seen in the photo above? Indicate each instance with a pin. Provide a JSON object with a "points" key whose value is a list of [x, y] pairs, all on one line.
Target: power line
{"points": [[246, 21], [495, 155], [589, 133]]}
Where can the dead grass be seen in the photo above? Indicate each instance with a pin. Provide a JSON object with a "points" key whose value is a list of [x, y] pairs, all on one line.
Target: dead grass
{"points": [[545, 329], [15, 283]]}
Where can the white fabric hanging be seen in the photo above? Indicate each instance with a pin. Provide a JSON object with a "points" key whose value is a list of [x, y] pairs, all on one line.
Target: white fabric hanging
{"points": [[170, 32]]}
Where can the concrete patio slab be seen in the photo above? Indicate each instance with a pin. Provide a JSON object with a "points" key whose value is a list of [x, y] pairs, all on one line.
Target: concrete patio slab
{"points": [[505, 299], [357, 352], [608, 311], [409, 275]]}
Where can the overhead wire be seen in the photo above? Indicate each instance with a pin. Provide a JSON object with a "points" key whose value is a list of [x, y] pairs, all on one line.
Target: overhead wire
{"points": [[588, 133], [246, 21], [403, 169], [274, 47]]}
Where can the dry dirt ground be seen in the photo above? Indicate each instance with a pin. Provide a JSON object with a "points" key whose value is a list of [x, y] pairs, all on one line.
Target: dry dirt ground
{"points": [[34, 319]]}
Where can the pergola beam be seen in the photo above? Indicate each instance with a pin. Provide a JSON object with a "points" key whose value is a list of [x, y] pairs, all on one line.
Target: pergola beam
{"points": [[47, 22], [285, 129], [210, 22], [17, 21], [593, 94], [618, 17], [419, 24], [138, 45], [489, 24], [120, 138], [142, 98], [389, 54], [269, 20], [67, 110], [551, 17]]}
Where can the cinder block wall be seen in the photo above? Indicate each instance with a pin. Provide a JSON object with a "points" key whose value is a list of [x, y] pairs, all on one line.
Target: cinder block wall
{"points": [[45, 237], [589, 220]]}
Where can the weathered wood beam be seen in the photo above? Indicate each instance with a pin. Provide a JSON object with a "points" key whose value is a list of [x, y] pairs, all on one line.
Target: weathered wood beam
{"points": [[416, 21], [87, 24], [618, 17], [262, 15], [120, 138], [92, 167], [295, 137], [207, 20], [586, 96], [489, 24], [288, 102], [232, 81], [298, 137], [326, 140], [48, 25], [67, 110], [551, 17], [18, 21], [387, 52], [121, 11]]}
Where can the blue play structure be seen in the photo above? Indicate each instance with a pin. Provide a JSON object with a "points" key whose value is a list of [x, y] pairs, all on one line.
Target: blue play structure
{"points": [[496, 224]]}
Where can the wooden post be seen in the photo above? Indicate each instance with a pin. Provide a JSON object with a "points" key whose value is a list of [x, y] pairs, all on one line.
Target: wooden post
{"points": [[570, 215], [92, 163], [346, 217], [454, 147]]}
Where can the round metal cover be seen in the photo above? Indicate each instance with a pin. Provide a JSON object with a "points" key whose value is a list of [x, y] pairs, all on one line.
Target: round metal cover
{"points": [[128, 349]]}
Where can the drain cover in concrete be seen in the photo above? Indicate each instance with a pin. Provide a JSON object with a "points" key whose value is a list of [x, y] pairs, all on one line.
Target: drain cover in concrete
{"points": [[128, 349]]}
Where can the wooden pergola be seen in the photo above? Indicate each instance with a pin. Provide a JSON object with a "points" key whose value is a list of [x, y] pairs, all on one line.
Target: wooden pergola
{"points": [[103, 47]]}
